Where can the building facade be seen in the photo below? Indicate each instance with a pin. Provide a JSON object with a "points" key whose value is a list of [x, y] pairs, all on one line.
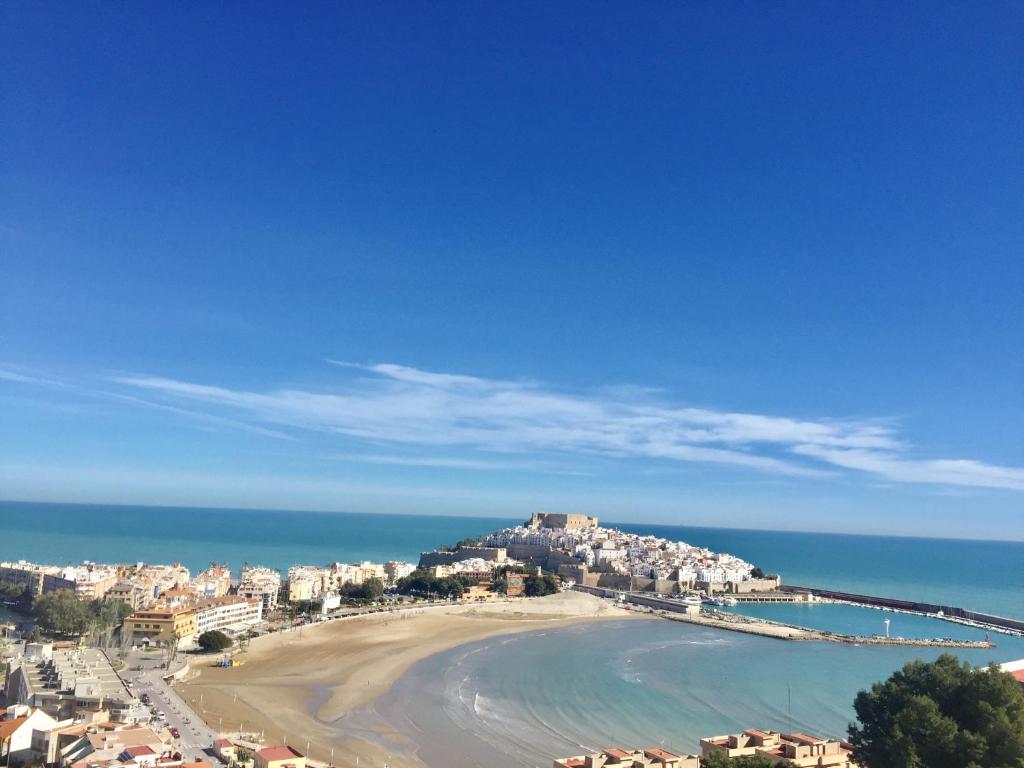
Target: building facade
{"points": [[231, 613], [161, 624]]}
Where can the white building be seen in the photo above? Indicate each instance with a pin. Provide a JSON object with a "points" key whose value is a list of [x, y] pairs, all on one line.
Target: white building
{"points": [[215, 581], [263, 584], [231, 613], [17, 727]]}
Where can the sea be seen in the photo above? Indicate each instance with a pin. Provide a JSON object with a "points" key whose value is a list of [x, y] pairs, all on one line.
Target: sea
{"points": [[523, 699]]}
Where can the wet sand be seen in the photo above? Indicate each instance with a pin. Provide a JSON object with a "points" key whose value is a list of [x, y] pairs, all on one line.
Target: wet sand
{"points": [[295, 686]]}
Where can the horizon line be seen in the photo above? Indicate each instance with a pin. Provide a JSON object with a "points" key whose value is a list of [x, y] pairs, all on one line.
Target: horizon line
{"points": [[610, 523]]}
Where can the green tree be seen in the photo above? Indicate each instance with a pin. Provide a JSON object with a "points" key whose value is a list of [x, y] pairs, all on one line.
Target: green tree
{"points": [[370, 589], [61, 612], [538, 586], [214, 640], [720, 760], [105, 616], [423, 583], [940, 713], [11, 592], [757, 573]]}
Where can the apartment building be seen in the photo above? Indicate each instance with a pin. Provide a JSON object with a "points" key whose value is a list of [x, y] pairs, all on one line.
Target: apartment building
{"points": [[215, 581], [337, 575], [614, 757], [396, 569], [161, 624], [90, 581], [232, 614], [263, 584], [32, 576], [134, 595], [68, 683], [785, 749], [304, 583], [161, 578]]}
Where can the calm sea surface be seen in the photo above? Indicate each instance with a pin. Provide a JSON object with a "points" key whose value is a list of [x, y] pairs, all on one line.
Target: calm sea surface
{"points": [[522, 699], [983, 575]]}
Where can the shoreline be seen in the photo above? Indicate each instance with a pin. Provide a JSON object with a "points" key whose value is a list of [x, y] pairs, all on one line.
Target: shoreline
{"points": [[298, 686]]}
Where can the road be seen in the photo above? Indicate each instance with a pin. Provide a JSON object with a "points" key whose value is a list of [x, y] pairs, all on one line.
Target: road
{"points": [[196, 738]]}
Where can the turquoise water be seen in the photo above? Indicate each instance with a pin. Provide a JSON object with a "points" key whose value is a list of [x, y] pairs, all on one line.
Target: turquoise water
{"points": [[521, 700], [983, 575], [854, 620], [70, 533]]}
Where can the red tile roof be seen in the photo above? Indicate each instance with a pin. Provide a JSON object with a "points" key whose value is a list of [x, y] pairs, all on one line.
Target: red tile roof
{"points": [[616, 752], [8, 727], [139, 750], [278, 753]]}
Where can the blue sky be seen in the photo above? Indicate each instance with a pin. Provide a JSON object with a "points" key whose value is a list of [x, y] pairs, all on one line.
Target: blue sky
{"points": [[726, 264]]}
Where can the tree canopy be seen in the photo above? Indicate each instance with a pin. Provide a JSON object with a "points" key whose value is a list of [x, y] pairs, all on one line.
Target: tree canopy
{"points": [[11, 591], [62, 612], [720, 760], [214, 640], [370, 589], [940, 713], [538, 586], [423, 583], [533, 585]]}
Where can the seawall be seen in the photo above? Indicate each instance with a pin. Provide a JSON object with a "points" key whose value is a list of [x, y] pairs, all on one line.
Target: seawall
{"points": [[947, 611]]}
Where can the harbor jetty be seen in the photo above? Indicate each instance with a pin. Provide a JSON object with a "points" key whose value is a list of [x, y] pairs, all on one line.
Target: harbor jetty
{"points": [[986, 621], [676, 610]]}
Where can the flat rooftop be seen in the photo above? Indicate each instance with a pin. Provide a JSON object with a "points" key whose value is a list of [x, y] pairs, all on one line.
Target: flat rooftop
{"points": [[86, 673]]}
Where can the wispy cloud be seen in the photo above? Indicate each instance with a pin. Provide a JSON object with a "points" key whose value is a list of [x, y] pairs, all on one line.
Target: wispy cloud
{"points": [[403, 406], [452, 462], [892, 466]]}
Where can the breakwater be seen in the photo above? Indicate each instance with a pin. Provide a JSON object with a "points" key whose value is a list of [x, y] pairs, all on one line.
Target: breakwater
{"points": [[676, 610], [945, 612]]}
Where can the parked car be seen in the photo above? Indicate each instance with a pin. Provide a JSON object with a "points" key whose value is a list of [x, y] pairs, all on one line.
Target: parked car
{"points": [[174, 732]]}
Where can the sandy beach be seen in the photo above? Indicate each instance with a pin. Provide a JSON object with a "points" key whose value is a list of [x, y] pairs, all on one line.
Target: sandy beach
{"points": [[296, 686]]}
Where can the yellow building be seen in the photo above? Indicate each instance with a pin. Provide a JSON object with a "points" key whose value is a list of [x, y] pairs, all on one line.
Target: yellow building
{"points": [[161, 624], [279, 757]]}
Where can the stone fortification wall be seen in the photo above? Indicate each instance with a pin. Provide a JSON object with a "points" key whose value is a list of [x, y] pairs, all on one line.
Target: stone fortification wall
{"points": [[561, 521], [531, 554]]}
